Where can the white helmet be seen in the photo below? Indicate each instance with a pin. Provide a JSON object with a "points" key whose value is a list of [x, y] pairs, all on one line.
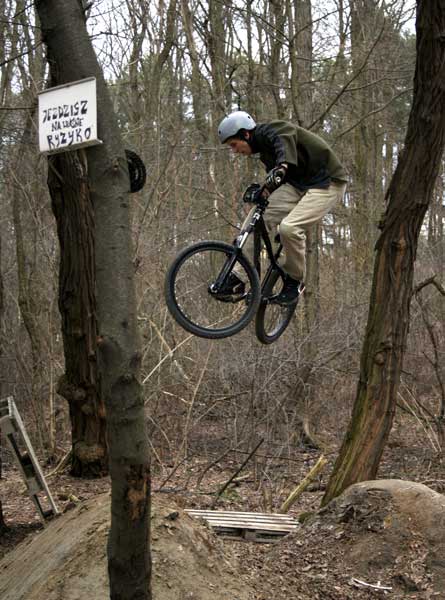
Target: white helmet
{"points": [[231, 125]]}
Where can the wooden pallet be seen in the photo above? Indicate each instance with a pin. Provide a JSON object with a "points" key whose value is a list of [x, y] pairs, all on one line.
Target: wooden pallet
{"points": [[255, 527], [12, 427]]}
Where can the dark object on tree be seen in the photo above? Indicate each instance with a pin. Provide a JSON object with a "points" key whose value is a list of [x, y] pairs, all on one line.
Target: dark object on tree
{"points": [[136, 170]]}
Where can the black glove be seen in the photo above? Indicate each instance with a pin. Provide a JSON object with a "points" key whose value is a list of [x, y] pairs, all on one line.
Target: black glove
{"points": [[275, 178], [252, 193]]}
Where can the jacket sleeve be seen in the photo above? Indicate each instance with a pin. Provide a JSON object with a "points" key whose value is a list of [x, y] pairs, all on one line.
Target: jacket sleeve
{"points": [[282, 144]]}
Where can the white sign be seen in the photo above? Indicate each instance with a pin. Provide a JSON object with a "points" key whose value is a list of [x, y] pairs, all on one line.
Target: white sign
{"points": [[68, 116]]}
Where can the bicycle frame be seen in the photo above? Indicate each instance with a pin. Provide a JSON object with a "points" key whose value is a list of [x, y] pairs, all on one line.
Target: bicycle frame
{"points": [[206, 268], [253, 223]]}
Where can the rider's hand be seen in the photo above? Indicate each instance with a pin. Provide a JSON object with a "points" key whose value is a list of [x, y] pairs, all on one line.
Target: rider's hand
{"points": [[275, 177], [252, 194]]}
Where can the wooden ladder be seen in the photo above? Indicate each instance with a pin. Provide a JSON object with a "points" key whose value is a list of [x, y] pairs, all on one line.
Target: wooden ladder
{"points": [[12, 427]]}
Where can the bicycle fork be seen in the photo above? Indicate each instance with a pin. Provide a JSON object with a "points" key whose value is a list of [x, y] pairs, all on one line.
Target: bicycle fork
{"points": [[262, 234], [215, 287], [248, 226]]}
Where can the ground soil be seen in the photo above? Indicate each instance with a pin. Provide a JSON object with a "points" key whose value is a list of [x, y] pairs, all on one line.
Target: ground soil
{"points": [[382, 539]]}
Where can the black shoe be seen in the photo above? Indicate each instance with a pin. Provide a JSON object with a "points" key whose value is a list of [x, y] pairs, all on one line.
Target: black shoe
{"points": [[290, 293], [233, 286]]}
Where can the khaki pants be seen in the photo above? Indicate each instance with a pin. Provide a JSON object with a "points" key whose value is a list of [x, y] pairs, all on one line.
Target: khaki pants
{"points": [[293, 212]]}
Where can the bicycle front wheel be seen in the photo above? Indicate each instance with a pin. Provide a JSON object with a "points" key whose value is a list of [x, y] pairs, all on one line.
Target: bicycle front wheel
{"points": [[189, 297], [272, 319]]}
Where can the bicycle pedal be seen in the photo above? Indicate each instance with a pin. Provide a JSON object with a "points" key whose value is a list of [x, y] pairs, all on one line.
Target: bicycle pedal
{"points": [[230, 298], [271, 299]]}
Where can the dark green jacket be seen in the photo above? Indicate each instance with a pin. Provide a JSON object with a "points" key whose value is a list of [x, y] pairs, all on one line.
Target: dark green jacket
{"points": [[311, 161]]}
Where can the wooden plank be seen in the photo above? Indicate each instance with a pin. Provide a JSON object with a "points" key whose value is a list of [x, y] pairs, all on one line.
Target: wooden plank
{"points": [[241, 520], [246, 521], [228, 519], [272, 528], [259, 527], [262, 518], [252, 535], [234, 512], [239, 517], [14, 430]]}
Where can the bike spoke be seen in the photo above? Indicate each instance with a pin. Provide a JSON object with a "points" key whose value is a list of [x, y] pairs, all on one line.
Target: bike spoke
{"points": [[191, 297]]}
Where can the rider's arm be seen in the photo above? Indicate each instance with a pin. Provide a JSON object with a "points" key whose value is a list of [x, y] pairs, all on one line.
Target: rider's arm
{"points": [[276, 177], [277, 143]]}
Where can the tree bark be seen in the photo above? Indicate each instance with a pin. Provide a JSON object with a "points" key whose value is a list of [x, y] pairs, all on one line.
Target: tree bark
{"points": [[197, 82], [80, 384], [155, 72], [299, 15], [366, 22], [29, 291], [2, 312], [408, 198], [277, 17], [129, 564]]}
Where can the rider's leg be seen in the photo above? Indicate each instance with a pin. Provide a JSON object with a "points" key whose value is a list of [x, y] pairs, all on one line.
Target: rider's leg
{"points": [[281, 202], [315, 204]]}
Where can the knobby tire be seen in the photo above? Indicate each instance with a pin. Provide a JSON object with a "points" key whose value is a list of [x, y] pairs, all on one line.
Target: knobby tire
{"points": [[271, 320], [189, 301]]}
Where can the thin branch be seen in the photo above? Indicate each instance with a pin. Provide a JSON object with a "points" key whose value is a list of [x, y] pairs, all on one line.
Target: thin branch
{"points": [[347, 84], [373, 112], [226, 485], [12, 58], [430, 281]]}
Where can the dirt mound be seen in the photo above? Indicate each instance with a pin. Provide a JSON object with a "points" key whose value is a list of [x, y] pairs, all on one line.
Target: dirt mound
{"points": [[387, 534], [67, 561]]}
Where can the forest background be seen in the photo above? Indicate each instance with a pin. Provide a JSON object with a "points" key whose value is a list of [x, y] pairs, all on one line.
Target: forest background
{"points": [[342, 69]]}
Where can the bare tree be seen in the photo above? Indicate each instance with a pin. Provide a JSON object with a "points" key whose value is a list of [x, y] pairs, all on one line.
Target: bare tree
{"points": [[80, 383], [72, 58], [2, 310], [197, 82], [408, 198]]}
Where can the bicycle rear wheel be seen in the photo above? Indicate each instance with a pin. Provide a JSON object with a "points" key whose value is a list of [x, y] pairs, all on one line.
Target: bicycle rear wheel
{"points": [[194, 306], [272, 319]]}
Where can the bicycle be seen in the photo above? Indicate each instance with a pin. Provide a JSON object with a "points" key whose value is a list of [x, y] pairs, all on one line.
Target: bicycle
{"points": [[196, 277]]}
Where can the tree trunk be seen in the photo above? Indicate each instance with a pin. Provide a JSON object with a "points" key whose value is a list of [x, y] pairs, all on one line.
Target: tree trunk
{"points": [[277, 18], [366, 23], [29, 291], [197, 82], [2, 311], [153, 108], [80, 384], [299, 15], [215, 37], [129, 564], [408, 197]]}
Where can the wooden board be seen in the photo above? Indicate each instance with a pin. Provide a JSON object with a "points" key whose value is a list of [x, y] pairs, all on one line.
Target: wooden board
{"points": [[258, 527], [14, 431]]}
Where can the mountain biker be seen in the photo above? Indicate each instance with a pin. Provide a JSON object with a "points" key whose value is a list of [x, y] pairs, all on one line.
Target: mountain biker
{"points": [[305, 180]]}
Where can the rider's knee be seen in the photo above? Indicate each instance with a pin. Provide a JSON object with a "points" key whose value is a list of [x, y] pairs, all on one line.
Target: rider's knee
{"points": [[290, 231]]}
